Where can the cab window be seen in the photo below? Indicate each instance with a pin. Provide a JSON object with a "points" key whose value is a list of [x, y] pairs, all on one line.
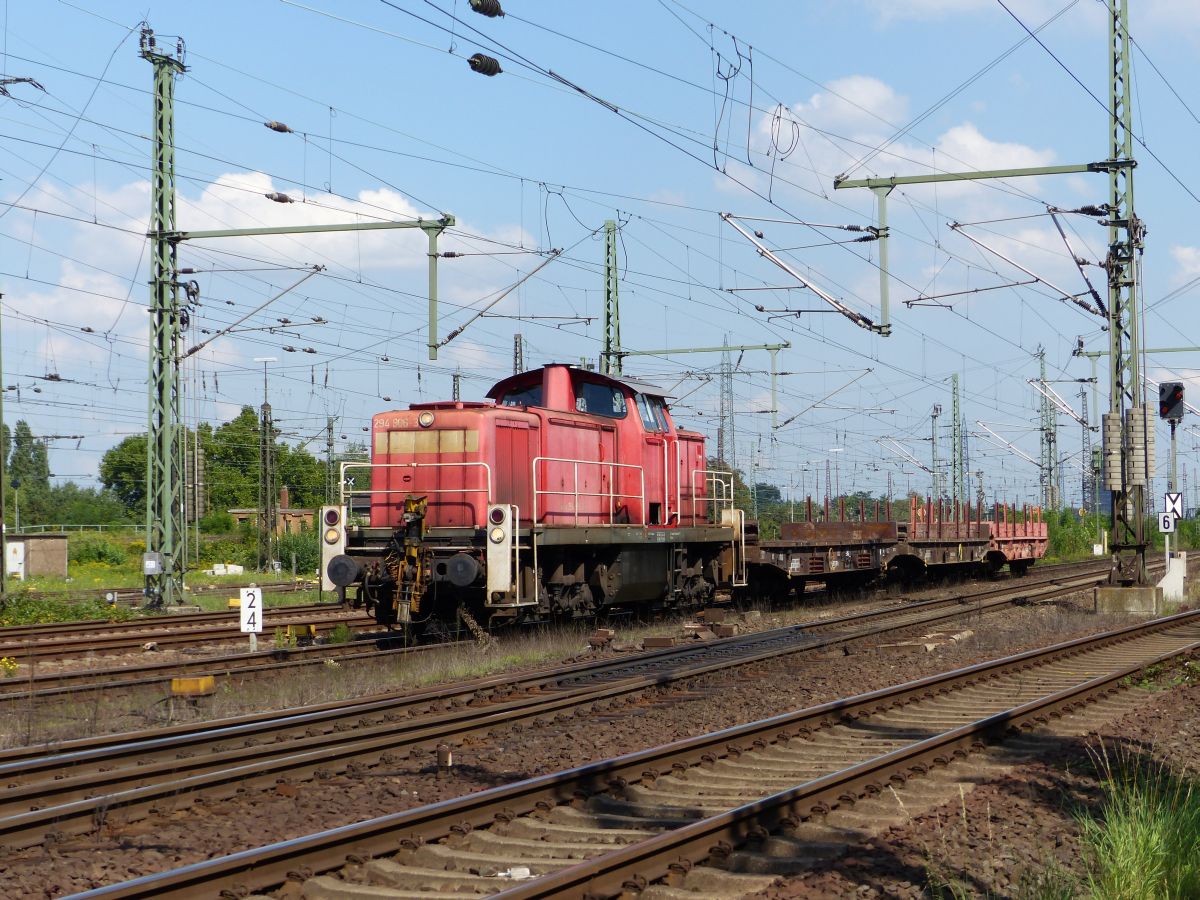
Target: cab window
{"points": [[646, 411], [530, 396], [600, 400], [660, 412]]}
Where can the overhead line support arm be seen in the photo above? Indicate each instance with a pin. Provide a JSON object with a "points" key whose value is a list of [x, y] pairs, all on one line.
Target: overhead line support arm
{"points": [[432, 228]]}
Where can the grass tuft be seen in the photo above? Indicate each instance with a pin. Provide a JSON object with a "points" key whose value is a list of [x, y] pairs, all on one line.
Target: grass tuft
{"points": [[1145, 840]]}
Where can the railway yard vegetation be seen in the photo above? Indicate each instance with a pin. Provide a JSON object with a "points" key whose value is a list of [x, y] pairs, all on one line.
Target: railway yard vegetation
{"points": [[22, 607], [1144, 839]]}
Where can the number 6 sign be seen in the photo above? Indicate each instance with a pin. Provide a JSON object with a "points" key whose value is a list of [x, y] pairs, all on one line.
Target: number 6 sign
{"points": [[251, 610]]}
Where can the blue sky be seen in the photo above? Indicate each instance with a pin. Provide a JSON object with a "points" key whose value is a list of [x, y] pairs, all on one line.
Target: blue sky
{"points": [[719, 107]]}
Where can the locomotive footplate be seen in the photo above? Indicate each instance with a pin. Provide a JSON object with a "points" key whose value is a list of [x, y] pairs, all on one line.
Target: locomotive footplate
{"points": [[550, 535]]}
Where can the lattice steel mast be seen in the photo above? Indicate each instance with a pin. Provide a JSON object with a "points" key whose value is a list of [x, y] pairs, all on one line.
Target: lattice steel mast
{"points": [[1128, 431], [726, 433], [957, 462], [163, 566], [610, 356]]}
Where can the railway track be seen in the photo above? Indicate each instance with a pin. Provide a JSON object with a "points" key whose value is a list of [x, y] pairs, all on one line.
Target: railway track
{"points": [[71, 790], [716, 814], [72, 640], [72, 684], [135, 595], [76, 683]]}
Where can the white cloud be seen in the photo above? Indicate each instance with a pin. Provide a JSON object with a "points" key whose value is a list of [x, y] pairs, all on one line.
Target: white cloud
{"points": [[855, 102], [1187, 262]]}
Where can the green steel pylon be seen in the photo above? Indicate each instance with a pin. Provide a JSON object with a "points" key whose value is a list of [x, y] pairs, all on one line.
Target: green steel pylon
{"points": [[610, 356], [163, 566], [958, 475], [1125, 424]]}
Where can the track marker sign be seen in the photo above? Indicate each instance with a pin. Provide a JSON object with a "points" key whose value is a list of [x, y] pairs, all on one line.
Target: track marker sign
{"points": [[1174, 504], [251, 610], [1166, 523]]}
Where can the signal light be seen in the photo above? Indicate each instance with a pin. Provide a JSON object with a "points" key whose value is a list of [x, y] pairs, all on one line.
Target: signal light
{"points": [[496, 516], [331, 517], [484, 65], [1170, 401]]}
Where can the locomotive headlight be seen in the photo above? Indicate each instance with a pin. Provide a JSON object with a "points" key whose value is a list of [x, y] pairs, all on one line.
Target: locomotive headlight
{"points": [[332, 535], [425, 419], [496, 535]]}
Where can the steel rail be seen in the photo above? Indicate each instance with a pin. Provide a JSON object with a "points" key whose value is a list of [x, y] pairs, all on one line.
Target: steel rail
{"points": [[13, 633], [49, 793], [68, 753], [263, 868], [74, 682], [92, 679], [657, 857], [133, 639]]}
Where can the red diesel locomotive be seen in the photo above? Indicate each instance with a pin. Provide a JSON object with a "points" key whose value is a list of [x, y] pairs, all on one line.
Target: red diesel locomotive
{"points": [[569, 493]]}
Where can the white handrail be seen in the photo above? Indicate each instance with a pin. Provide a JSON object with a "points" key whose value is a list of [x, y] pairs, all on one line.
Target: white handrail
{"points": [[720, 500], [352, 492], [611, 494]]}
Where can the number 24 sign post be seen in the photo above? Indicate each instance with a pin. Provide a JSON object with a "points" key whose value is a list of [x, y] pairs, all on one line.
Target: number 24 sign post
{"points": [[251, 614]]}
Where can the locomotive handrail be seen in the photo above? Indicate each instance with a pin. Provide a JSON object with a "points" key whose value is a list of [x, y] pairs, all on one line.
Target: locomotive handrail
{"points": [[611, 494], [352, 492], [720, 500]]}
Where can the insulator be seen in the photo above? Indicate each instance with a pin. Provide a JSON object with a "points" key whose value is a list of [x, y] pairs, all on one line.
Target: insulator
{"points": [[289, 349], [451, 254], [310, 349], [187, 271], [489, 8], [88, 329], [278, 197], [278, 126], [484, 65], [1093, 210]]}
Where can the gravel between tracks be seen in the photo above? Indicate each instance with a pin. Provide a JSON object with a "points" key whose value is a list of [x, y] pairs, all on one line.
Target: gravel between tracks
{"points": [[122, 850]]}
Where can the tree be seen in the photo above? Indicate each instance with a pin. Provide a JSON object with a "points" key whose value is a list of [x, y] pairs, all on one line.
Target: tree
{"points": [[303, 474], [231, 455], [73, 504], [28, 462], [123, 472], [231, 460], [768, 493]]}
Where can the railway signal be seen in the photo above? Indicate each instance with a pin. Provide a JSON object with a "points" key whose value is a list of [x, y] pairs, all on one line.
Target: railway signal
{"points": [[1170, 401]]}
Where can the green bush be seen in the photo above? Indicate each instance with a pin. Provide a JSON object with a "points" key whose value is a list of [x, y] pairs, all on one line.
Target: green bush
{"points": [[218, 522], [95, 550], [1069, 536], [18, 608], [304, 545]]}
